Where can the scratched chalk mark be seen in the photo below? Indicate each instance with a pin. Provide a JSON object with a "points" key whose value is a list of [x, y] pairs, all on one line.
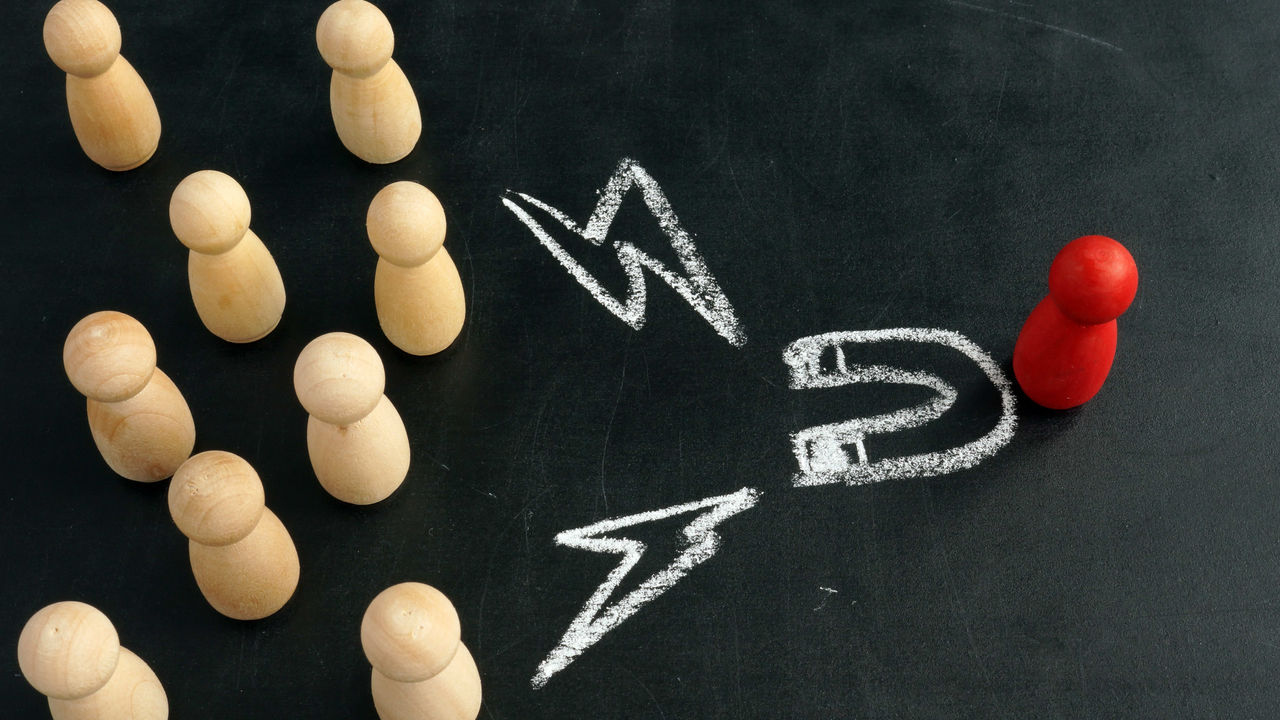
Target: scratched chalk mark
{"points": [[595, 620], [1036, 23], [696, 285], [820, 450]]}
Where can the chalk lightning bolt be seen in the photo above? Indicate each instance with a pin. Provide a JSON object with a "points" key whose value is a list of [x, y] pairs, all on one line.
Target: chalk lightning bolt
{"points": [[595, 620], [696, 285]]}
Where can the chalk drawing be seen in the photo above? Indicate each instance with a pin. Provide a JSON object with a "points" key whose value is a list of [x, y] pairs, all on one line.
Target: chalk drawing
{"points": [[1036, 23], [696, 285], [829, 592], [595, 620], [820, 451]]}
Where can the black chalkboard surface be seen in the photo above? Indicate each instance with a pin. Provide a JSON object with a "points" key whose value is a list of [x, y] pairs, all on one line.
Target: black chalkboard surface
{"points": [[828, 168]]}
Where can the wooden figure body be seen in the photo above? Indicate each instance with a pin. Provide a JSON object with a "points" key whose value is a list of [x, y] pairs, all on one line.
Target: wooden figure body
{"points": [[112, 112], [421, 669], [244, 561], [421, 305], [235, 283], [357, 442], [70, 652], [139, 420], [374, 109], [1065, 349]]}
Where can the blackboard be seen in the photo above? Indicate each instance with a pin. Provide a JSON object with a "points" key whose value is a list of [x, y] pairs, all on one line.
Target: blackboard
{"points": [[840, 167]]}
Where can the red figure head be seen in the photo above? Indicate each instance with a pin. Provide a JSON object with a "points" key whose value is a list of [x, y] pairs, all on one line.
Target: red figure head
{"points": [[1093, 279]]}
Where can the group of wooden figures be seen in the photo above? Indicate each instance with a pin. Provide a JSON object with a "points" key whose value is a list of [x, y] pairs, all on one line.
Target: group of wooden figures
{"points": [[410, 633], [243, 558], [116, 121]]}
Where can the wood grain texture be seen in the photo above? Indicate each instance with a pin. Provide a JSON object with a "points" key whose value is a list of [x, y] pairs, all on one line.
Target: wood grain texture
{"points": [[453, 694], [133, 693], [339, 378], [70, 652], [114, 117], [112, 112], [410, 632], [251, 578], [420, 309], [235, 283], [147, 437], [416, 288], [377, 118], [421, 671], [238, 294], [374, 109], [363, 462]]}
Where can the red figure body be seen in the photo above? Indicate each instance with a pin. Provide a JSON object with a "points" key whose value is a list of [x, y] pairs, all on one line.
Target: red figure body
{"points": [[1065, 349]]}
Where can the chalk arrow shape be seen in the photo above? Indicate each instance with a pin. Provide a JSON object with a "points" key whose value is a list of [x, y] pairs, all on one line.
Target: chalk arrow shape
{"points": [[595, 620], [695, 283]]}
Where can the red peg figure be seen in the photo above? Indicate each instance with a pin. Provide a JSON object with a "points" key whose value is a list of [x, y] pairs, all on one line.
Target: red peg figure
{"points": [[1065, 349]]}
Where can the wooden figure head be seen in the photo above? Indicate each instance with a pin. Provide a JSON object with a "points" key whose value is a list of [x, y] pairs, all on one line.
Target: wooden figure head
{"points": [[68, 650], [406, 224], [339, 378], [82, 37], [410, 632], [216, 498], [355, 38], [109, 356], [209, 212]]}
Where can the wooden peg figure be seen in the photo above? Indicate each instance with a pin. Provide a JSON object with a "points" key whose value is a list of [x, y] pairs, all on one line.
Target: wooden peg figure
{"points": [[374, 108], [421, 669], [1065, 349], [70, 652], [357, 442], [111, 109], [139, 420], [235, 284], [245, 563], [421, 306]]}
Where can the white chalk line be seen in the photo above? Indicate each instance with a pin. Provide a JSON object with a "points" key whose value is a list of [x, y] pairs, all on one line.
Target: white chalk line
{"points": [[697, 285], [594, 621], [819, 450], [1036, 23], [629, 311]]}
